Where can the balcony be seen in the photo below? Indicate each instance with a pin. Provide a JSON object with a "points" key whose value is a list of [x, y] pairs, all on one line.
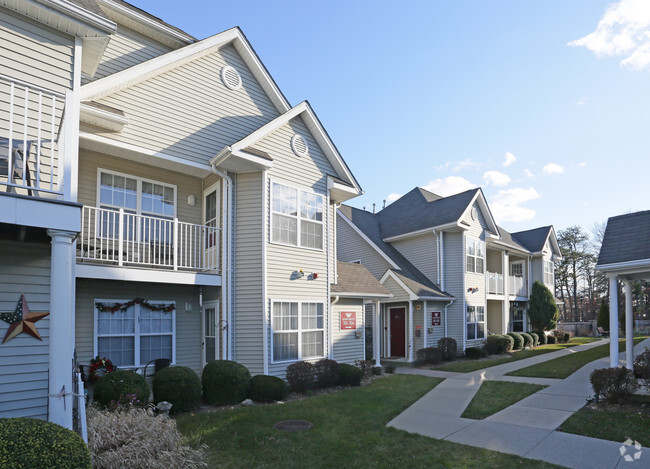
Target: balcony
{"points": [[30, 124], [122, 238], [517, 286], [494, 283]]}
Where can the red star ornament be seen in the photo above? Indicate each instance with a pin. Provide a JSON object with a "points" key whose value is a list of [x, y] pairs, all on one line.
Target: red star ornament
{"points": [[22, 320]]}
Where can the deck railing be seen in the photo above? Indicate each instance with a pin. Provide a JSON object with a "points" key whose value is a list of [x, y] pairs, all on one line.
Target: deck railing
{"points": [[30, 121], [495, 283], [122, 238], [518, 286]]}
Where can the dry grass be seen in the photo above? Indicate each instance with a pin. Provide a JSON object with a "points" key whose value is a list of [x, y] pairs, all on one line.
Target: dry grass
{"points": [[138, 439]]}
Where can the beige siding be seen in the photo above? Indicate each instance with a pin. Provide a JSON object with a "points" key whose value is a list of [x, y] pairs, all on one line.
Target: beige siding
{"points": [[422, 253], [351, 247], [188, 325], [125, 49], [189, 113], [247, 333], [24, 360], [346, 346], [399, 294], [494, 313], [89, 162]]}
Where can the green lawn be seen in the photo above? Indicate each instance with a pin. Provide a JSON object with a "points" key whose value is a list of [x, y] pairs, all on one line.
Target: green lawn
{"points": [[467, 366], [615, 424], [569, 364], [494, 396], [349, 431]]}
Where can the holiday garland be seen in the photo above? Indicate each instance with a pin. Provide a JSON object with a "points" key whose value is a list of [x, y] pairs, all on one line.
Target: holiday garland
{"points": [[113, 307], [99, 367]]}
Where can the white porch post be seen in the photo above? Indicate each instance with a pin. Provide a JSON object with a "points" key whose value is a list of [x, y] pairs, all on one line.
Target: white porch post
{"points": [[629, 327], [613, 321], [61, 328], [376, 332], [505, 307], [410, 326]]}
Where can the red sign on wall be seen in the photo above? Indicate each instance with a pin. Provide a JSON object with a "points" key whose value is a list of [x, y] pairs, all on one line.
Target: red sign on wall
{"points": [[348, 320], [436, 319]]}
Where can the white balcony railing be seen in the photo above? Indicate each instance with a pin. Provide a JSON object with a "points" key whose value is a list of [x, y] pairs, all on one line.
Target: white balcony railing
{"points": [[123, 238], [30, 119], [517, 286], [495, 283]]}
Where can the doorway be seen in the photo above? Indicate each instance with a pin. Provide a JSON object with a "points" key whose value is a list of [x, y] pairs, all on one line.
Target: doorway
{"points": [[210, 332], [397, 332]]}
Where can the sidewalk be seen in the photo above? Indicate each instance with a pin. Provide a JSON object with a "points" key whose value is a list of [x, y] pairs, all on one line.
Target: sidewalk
{"points": [[438, 414]]}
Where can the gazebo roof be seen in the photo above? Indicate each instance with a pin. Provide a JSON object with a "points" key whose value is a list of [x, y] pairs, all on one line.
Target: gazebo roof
{"points": [[626, 243]]}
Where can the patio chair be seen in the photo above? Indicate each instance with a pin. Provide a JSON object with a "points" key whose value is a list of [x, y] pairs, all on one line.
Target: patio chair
{"points": [[603, 332], [154, 366], [19, 161]]}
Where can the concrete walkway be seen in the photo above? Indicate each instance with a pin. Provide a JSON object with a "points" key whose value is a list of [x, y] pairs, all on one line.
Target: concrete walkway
{"points": [[438, 414]]}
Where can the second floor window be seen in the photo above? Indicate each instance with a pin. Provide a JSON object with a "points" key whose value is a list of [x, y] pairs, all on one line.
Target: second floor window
{"points": [[475, 255], [548, 272], [296, 217]]}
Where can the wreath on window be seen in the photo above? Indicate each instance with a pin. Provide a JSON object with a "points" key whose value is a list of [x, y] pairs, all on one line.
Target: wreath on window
{"points": [[99, 367]]}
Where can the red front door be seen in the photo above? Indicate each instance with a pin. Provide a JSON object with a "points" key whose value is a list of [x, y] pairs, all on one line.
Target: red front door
{"points": [[397, 332]]}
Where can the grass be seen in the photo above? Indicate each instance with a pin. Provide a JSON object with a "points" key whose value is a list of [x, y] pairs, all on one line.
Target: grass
{"points": [[569, 364], [615, 423], [349, 431], [467, 366], [494, 396]]}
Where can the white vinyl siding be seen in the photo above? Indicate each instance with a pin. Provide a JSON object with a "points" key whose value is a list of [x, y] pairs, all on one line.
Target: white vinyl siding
{"points": [[350, 246], [297, 330], [347, 347], [455, 285], [422, 253]]}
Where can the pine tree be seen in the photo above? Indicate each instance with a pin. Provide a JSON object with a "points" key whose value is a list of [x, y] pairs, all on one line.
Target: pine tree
{"points": [[542, 310], [603, 315]]}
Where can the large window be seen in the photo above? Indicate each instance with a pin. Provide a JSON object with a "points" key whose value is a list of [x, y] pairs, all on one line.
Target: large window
{"points": [[475, 322], [136, 195], [136, 336], [298, 330], [548, 272], [296, 217], [475, 255]]}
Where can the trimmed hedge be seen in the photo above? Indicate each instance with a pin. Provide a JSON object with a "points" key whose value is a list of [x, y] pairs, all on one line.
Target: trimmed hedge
{"points": [[327, 372], [350, 375], [518, 340], [474, 353], [550, 339], [448, 347], [428, 356], [535, 338], [178, 385], [528, 339], [561, 337], [613, 384], [498, 344], [541, 336], [37, 444], [642, 367], [301, 376], [119, 387], [268, 389], [225, 382]]}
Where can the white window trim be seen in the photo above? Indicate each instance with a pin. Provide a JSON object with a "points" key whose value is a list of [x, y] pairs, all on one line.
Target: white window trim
{"points": [[139, 181], [523, 269], [136, 331], [300, 330], [551, 273], [478, 242], [484, 322], [298, 218]]}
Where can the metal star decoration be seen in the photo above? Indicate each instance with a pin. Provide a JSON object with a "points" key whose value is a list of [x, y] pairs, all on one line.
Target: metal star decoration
{"points": [[22, 320]]}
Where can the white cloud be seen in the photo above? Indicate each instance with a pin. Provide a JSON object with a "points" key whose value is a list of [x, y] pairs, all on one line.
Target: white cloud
{"points": [[528, 174], [553, 168], [583, 164], [582, 101], [467, 164], [449, 186], [390, 198], [496, 178], [624, 30], [506, 205], [510, 158]]}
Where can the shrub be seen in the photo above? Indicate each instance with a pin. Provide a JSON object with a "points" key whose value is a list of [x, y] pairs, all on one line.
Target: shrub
{"points": [[474, 353], [225, 382], [390, 369], [603, 315], [138, 438], [448, 347], [376, 370], [327, 372], [613, 384], [642, 367], [428, 356], [365, 366], [541, 335], [350, 375], [528, 339], [542, 309], [535, 338], [33, 443], [268, 389], [178, 385], [301, 376], [550, 339], [518, 340], [497, 344], [561, 337], [121, 387]]}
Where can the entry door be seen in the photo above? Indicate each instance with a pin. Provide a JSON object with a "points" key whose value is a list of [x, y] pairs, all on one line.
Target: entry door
{"points": [[398, 332], [210, 333]]}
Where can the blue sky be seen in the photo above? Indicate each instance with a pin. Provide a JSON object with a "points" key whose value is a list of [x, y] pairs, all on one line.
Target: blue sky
{"points": [[453, 95]]}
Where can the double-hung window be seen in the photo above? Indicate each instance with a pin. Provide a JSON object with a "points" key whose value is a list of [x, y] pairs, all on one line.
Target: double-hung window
{"points": [[548, 272], [296, 217], [475, 322], [475, 255], [298, 330], [135, 336]]}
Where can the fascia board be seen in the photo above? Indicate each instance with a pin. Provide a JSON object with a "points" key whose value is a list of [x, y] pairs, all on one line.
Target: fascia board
{"points": [[361, 295], [88, 18], [268, 128], [368, 240], [627, 265], [102, 118], [413, 234]]}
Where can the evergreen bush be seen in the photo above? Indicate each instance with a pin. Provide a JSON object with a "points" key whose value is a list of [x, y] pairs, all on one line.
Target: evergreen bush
{"points": [[266, 388], [528, 339], [613, 384], [121, 387], [350, 375], [225, 382], [327, 372], [178, 385], [301, 376], [497, 344], [448, 347], [428, 356], [518, 340]]}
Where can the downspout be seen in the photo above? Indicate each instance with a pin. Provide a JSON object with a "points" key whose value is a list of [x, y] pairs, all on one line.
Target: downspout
{"points": [[265, 322], [442, 261], [329, 328], [329, 278], [226, 270], [464, 310], [448, 305], [411, 327]]}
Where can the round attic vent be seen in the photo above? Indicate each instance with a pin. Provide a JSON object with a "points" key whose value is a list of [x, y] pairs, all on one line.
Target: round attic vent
{"points": [[299, 145], [474, 213], [231, 78]]}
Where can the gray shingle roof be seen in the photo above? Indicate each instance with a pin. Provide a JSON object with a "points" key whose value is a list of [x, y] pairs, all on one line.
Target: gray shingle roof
{"points": [[355, 278], [91, 6], [627, 238], [507, 238], [533, 240]]}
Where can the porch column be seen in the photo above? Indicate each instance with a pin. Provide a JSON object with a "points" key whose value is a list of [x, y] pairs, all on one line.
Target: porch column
{"points": [[61, 328], [505, 306], [410, 326], [376, 332], [629, 327], [613, 321]]}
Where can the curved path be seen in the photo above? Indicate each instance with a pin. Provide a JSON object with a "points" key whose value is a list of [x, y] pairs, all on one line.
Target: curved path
{"points": [[438, 414]]}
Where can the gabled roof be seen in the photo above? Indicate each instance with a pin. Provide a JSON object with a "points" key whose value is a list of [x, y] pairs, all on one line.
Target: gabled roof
{"points": [[626, 239], [415, 288], [355, 280], [534, 240], [509, 241]]}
